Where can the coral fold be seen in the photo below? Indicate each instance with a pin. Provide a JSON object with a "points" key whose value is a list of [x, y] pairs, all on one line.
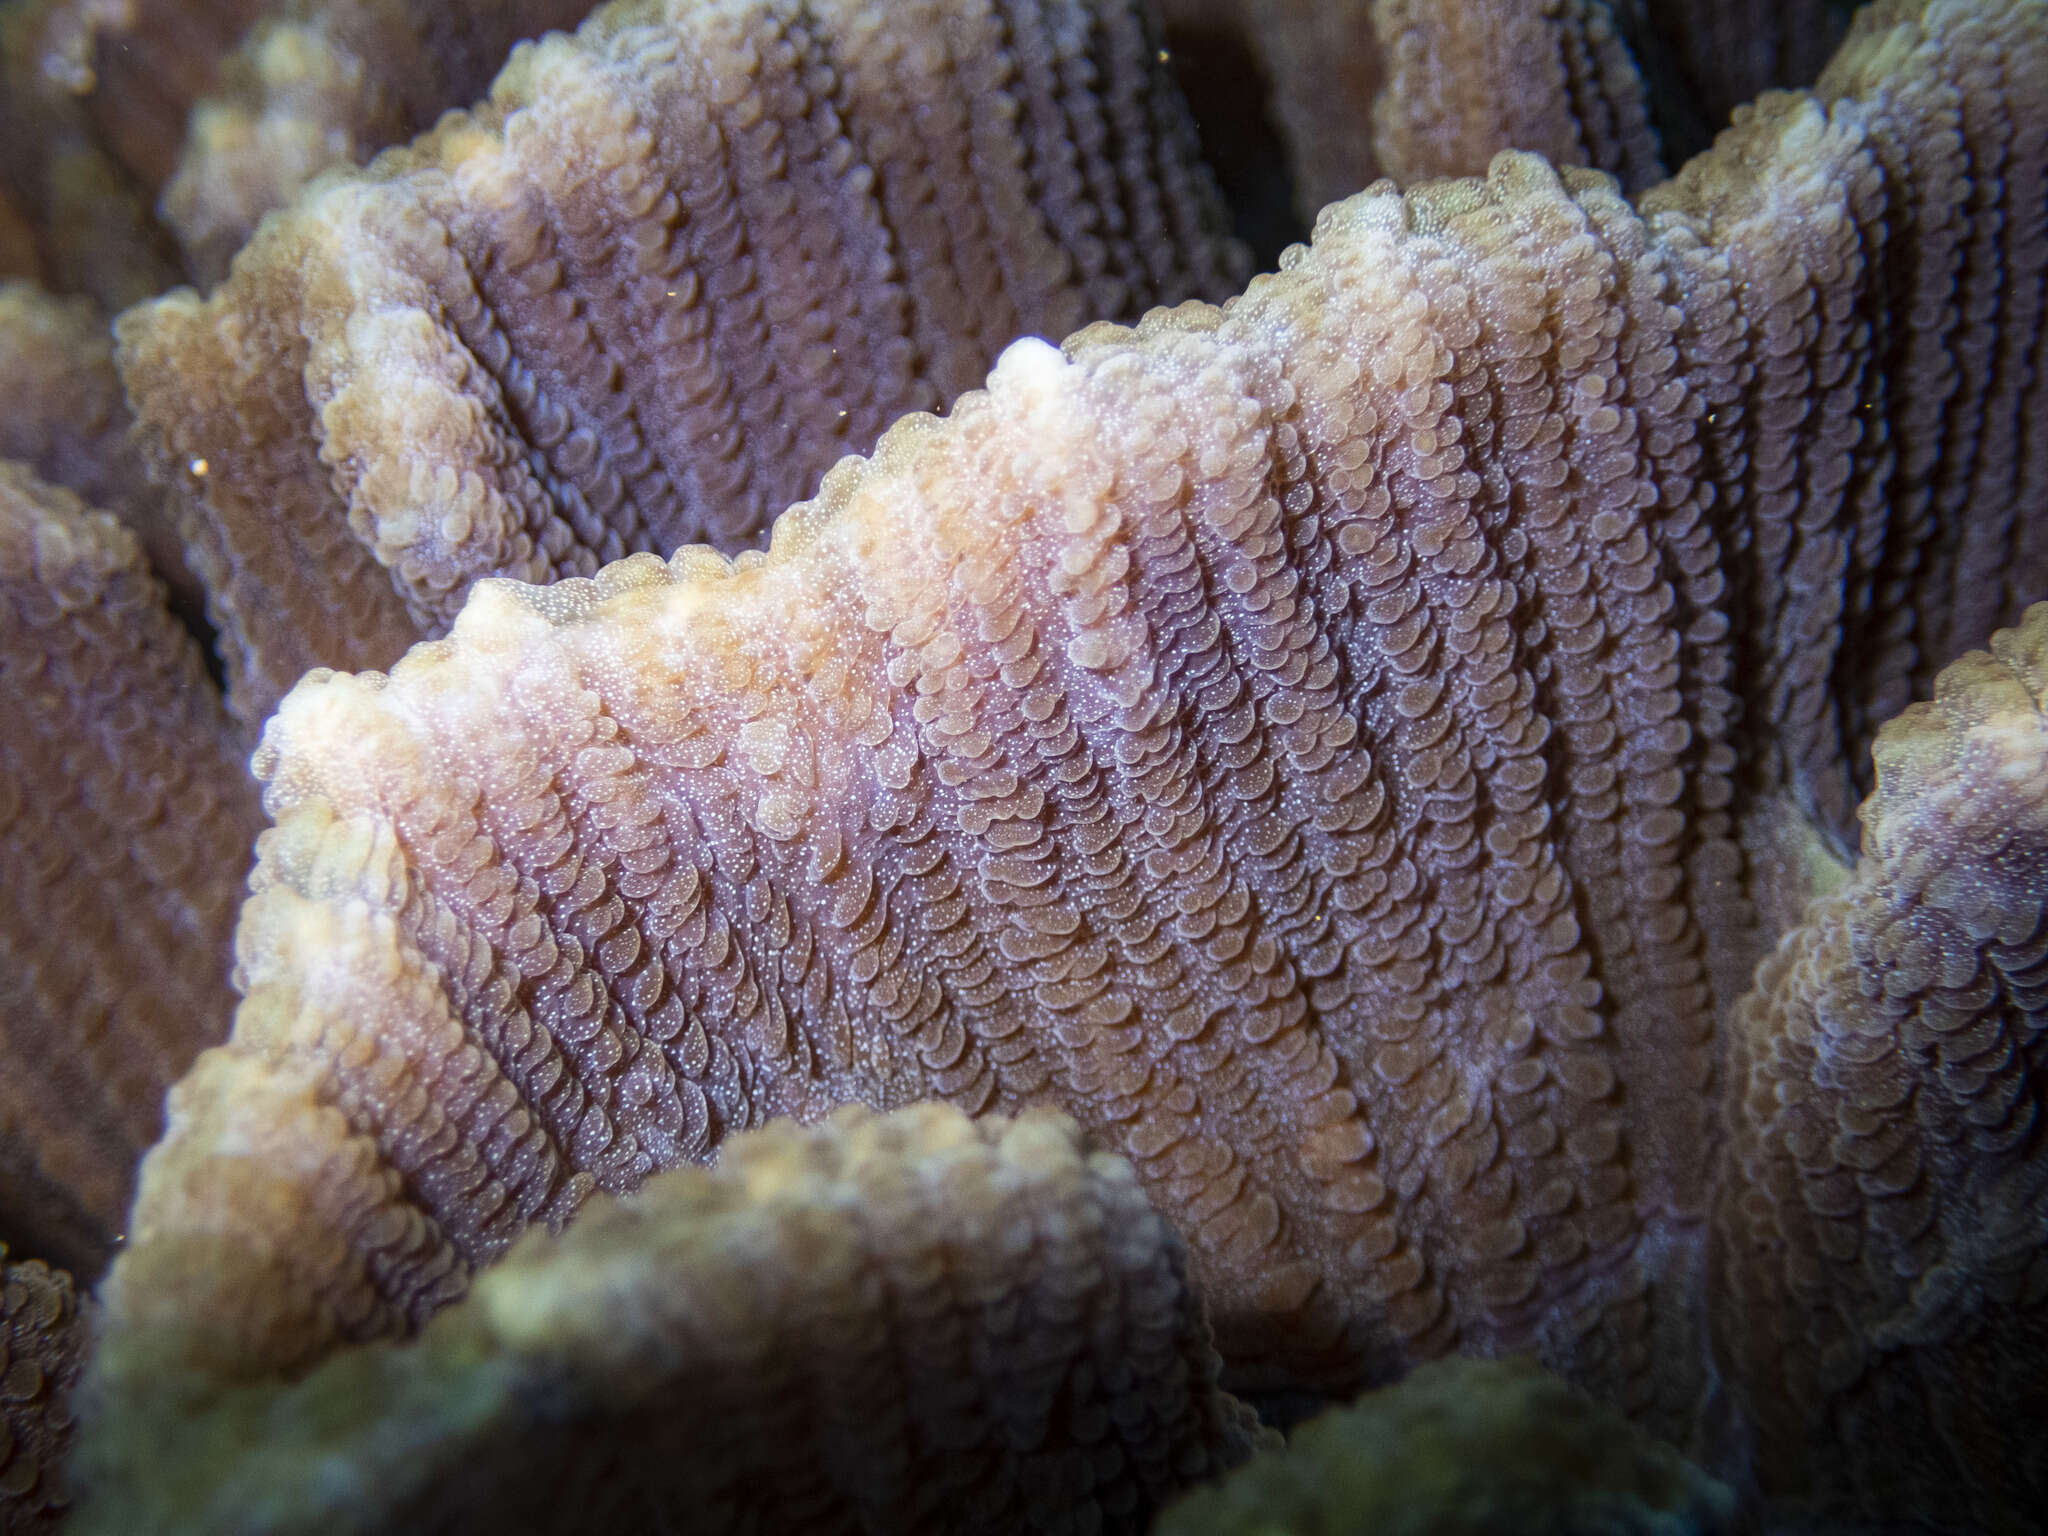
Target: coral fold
{"points": [[1882, 1216], [1464, 1448], [645, 295], [904, 1323], [126, 819]]}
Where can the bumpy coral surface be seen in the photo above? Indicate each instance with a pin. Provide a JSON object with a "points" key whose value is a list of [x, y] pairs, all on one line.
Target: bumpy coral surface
{"points": [[1464, 1448], [1883, 1204], [125, 821], [1299, 739], [646, 294], [904, 1323], [42, 1350]]}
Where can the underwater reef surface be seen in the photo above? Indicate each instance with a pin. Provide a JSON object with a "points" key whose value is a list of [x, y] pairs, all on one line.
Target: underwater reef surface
{"points": [[1396, 802]]}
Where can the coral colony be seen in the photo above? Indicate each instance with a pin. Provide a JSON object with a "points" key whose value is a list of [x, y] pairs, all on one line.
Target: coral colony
{"points": [[1463, 831]]}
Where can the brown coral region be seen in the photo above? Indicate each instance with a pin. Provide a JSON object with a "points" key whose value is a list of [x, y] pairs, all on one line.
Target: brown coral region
{"points": [[646, 294], [903, 1323], [130, 68], [1347, 749], [18, 259], [1300, 740], [42, 1352], [125, 820], [1883, 1206]]}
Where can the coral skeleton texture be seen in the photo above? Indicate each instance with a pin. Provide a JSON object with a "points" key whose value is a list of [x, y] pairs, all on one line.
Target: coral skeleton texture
{"points": [[1882, 1201], [1302, 740]]}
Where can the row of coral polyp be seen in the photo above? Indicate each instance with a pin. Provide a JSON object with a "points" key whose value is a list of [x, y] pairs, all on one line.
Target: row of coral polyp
{"points": [[1349, 793]]}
